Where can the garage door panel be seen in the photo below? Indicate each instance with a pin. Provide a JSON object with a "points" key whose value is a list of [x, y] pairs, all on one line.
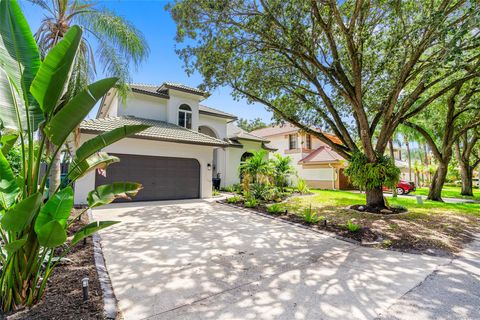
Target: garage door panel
{"points": [[163, 178]]}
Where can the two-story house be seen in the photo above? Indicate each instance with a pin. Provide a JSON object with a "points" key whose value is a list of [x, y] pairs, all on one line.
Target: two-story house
{"points": [[187, 145], [314, 161]]}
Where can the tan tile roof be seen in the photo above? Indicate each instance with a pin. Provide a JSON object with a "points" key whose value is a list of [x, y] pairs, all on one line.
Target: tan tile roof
{"points": [[159, 130], [215, 112], [322, 155], [286, 129], [182, 87]]}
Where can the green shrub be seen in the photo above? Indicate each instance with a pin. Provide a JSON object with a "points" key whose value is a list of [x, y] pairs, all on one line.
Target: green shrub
{"points": [[234, 199], [275, 208], [251, 203], [229, 189], [352, 227], [369, 176], [215, 192], [260, 191], [302, 187], [310, 216]]}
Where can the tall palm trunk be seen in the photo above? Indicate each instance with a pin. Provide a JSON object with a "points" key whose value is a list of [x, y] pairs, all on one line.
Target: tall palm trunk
{"points": [[409, 156]]}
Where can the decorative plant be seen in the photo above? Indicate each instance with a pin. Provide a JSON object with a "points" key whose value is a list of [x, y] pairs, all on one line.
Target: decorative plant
{"points": [[32, 228], [282, 169], [352, 226], [275, 208], [302, 187], [309, 215], [251, 203], [371, 176], [234, 199]]}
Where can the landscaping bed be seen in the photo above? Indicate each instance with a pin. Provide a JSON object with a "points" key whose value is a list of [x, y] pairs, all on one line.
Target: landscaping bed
{"points": [[64, 298], [432, 228]]}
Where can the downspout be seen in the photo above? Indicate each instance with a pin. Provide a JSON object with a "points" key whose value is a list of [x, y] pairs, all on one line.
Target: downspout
{"points": [[334, 175]]}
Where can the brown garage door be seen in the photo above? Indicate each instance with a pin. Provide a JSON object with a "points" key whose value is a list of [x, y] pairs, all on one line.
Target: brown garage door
{"points": [[163, 178]]}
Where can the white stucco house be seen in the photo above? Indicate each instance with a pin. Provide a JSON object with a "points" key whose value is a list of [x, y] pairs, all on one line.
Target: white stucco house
{"points": [[187, 145]]}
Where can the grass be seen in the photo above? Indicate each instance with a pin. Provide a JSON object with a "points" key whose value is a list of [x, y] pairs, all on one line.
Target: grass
{"points": [[433, 225], [450, 192]]}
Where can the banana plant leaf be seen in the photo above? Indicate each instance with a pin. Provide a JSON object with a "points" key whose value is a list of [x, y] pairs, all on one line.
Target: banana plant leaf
{"points": [[52, 234], [106, 193], [100, 160], [70, 115], [19, 62], [58, 208], [91, 229], [21, 215], [105, 139], [7, 141], [15, 245], [52, 77], [8, 184]]}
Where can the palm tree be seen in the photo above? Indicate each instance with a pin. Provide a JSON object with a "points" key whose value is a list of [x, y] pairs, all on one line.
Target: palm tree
{"points": [[282, 168], [118, 44], [256, 168]]}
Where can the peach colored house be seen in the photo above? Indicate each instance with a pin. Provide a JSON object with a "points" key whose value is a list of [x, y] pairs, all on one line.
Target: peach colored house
{"points": [[314, 161]]}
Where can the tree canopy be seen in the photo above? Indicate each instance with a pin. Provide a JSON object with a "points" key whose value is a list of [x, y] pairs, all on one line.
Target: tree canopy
{"points": [[355, 68]]}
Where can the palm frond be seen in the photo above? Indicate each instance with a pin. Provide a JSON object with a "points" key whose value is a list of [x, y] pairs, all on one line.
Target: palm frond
{"points": [[118, 32]]}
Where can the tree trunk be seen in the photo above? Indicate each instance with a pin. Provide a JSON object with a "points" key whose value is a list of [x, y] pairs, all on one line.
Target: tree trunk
{"points": [[55, 174], [438, 181], [375, 198], [466, 174], [392, 155]]}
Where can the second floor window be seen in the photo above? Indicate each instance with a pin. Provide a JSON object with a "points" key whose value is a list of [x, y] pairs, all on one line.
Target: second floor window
{"points": [[292, 141], [185, 116], [308, 141]]}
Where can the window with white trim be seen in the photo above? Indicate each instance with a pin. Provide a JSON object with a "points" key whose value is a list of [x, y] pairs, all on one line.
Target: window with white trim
{"points": [[292, 141], [185, 116]]}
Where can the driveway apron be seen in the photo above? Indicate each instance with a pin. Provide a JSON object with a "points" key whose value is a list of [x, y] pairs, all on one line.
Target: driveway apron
{"points": [[203, 260]]}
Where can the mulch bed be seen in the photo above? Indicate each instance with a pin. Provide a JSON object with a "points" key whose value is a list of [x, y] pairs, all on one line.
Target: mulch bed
{"points": [[388, 232], [364, 235], [64, 297]]}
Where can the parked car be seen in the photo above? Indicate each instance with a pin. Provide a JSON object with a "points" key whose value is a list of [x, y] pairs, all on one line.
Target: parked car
{"points": [[404, 187]]}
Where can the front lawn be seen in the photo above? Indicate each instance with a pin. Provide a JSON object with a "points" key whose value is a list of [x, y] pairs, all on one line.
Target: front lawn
{"points": [[433, 227], [450, 192]]}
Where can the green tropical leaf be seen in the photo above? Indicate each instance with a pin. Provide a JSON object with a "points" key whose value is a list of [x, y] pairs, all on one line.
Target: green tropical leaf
{"points": [[7, 142], [105, 139], [75, 110], [91, 229], [21, 215], [100, 160], [8, 184], [105, 194], [57, 208], [19, 62], [52, 234], [49, 83], [15, 245]]}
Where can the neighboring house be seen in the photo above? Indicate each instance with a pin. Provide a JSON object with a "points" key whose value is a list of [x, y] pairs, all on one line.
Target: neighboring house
{"points": [[187, 145], [314, 161]]}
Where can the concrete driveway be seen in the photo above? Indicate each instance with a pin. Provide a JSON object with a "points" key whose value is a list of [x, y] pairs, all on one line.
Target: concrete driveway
{"points": [[202, 260]]}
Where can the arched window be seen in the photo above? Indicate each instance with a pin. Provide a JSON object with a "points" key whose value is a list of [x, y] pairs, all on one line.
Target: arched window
{"points": [[185, 116]]}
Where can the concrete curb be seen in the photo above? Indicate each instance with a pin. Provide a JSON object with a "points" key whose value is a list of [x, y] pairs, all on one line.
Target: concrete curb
{"points": [[110, 303], [333, 235]]}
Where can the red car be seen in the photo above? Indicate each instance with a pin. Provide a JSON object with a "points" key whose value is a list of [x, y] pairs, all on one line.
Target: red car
{"points": [[404, 187]]}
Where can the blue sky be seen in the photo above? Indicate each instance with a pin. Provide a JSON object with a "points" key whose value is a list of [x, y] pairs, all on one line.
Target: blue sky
{"points": [[163, 64]]}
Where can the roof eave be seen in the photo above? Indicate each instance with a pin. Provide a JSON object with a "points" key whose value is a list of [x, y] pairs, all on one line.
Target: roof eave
{"points": [[218, 115], [90, 131]]}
